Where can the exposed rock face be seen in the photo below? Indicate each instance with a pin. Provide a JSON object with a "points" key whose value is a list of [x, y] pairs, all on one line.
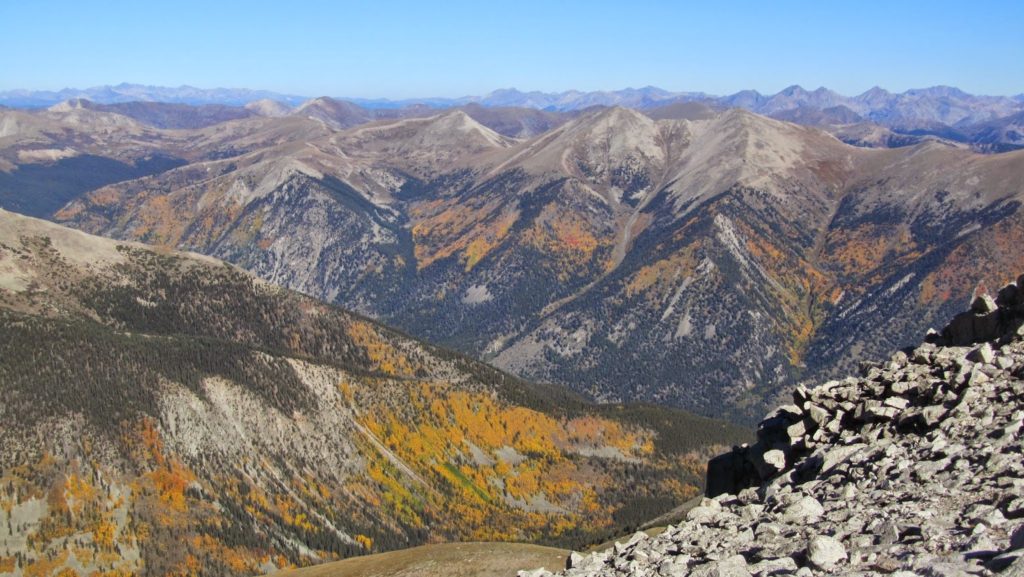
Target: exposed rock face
{"points": [[913, 468]]}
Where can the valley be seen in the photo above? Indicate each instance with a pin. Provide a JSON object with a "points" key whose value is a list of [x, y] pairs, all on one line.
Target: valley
{"points": [[702, 263]]}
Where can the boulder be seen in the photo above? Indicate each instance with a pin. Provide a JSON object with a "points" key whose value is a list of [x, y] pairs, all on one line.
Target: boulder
{"points": [[825, 552]]}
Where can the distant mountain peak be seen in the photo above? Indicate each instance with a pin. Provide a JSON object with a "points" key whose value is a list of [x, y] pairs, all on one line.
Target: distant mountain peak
{"points": [[71, 104], [269, 108]]}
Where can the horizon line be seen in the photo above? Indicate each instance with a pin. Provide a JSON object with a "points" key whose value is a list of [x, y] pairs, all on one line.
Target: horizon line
{"points": [[698, 93]]}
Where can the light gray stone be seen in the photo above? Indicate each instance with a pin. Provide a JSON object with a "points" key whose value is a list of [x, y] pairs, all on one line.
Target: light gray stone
{"points": [[825, 552], [776, 459], [803, 510]]}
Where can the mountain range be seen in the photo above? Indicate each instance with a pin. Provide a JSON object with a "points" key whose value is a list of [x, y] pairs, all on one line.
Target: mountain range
{"points": [[167, 413], [876, 117], [126, 92], [705, 259]]}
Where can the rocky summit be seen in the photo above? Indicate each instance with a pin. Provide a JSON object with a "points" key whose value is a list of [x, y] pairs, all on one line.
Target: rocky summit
{"points": [[913, 468]]}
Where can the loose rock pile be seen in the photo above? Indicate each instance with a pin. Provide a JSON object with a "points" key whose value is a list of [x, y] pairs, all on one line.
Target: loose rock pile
{"points": [[916, 467]]}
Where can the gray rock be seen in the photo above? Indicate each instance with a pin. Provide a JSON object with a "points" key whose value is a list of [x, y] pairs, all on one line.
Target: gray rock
{"points": [[734, 566], [677, 566], [817, 414], [898, 403], [774, 566], [701, 514], [796, 430], [802, 510], [776, 459], [1004, 560], [982, 354], [933, 414], [825, 552]]}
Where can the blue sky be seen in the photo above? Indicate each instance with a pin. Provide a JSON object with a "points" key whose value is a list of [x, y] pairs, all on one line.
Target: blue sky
{"points": [[453, 48]]}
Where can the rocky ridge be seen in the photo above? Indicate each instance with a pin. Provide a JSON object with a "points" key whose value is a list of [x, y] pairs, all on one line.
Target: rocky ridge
{"points": [[913, 468]]}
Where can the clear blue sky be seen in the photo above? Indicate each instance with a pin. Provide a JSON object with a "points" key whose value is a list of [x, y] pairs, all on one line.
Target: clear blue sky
{"points": [[455, 47]]}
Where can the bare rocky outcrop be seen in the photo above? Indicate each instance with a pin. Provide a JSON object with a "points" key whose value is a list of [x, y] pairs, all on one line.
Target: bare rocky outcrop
{"points": [[913, 468]]}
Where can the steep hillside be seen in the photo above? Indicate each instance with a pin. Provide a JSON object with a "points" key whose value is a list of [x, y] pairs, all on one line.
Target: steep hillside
{"points": [[703, 263], [166, 413], [912, 468]]}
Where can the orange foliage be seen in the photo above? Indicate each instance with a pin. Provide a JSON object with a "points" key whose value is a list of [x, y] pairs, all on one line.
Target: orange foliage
{"points": [[566, 238], [160, 221], [151, 441], [170, 482], [663, 274], [992, 260], [445, 228], [234, 559]]}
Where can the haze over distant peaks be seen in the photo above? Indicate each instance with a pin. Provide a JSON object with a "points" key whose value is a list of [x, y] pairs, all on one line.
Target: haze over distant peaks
{"points": [[126, 92], [875, 118]]}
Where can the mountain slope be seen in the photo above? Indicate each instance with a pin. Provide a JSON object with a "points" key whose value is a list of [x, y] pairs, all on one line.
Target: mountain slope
{"points": [[691, 262], [164, 410]]}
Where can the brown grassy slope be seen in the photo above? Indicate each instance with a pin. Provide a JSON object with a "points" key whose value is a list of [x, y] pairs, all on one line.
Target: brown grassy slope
{"points": [[448, 560]]}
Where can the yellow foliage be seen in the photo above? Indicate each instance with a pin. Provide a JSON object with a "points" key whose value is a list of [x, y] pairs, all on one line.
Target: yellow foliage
{"points": [[387, 358], [78, 492], [443, 443], [445, 228], [45, 567], [346, 391], [366, 542], [103, 534]]}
